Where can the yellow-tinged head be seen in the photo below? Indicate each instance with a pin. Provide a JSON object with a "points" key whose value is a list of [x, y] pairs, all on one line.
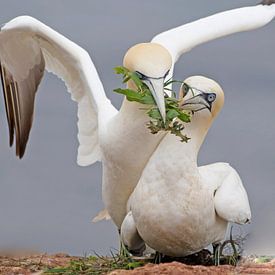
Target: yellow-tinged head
{"points": [[152, 63], [204, 94], [150, 59]]}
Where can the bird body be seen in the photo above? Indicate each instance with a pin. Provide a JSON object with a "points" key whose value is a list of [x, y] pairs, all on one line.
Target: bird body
{"points": [[177, 207], [122, 161]]}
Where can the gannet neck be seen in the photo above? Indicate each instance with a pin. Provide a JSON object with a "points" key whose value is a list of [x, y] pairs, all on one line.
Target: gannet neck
{"points": [[170, 151], [196, 131]]}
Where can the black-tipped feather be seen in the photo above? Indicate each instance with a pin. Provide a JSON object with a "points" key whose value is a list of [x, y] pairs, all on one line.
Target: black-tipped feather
{"points": [[268, 2], [19, 99], [8, 101]]}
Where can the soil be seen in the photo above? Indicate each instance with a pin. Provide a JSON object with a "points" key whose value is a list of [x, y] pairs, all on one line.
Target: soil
{"points": [[36, 263], [176, 268], [17, 263]]}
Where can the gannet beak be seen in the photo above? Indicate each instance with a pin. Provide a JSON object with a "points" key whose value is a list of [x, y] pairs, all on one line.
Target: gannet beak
{"points": [[199, 102], [156, 87]]}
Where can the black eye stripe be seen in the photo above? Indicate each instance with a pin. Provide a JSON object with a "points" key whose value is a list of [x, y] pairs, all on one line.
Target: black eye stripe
{"points": [[166, 73], [143, 76]]}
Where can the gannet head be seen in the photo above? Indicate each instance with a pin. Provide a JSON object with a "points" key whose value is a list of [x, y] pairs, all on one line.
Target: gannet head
{"points": [[204, 94], [152, 63]]}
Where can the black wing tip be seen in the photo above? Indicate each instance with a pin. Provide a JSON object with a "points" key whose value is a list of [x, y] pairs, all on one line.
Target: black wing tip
{"points": [[21, 156], [11, 141], [267, 2], [20, 152]]}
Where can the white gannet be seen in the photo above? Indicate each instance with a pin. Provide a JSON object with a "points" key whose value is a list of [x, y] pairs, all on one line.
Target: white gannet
{"points": [[117, 138], [28, 47], [178, 208]]}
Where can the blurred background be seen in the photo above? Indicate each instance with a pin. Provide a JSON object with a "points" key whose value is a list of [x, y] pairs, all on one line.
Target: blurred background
{"points": [[47, 202]]}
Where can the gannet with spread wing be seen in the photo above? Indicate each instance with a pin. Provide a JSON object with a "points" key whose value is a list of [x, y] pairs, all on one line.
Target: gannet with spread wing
{"points": [[117, 138], [28, 47]]}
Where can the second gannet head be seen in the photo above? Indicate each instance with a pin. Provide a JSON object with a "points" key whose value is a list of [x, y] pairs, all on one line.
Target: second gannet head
{"points": [[152, 63], [203, 94]]}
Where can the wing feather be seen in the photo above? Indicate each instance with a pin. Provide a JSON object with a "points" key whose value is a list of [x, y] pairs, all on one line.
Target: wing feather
{"points": [[230, 198], [27, 48], [8, 103], [184, 38]]}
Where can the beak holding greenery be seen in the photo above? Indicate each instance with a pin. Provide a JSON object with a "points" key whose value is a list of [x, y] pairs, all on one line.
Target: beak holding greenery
{"points": [[175, 117]]}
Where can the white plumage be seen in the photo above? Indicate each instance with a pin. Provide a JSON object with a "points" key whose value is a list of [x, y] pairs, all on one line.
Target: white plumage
{"points": [[178, 208], [117, 138]]}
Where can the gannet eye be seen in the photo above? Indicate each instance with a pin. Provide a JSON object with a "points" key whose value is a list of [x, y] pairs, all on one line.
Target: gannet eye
{"points": [[141, 76], [211, 97]]}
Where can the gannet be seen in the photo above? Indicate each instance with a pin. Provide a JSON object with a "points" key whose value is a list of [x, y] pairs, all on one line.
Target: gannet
{"points": [[119, 139], [28, 47], [178, 208]]}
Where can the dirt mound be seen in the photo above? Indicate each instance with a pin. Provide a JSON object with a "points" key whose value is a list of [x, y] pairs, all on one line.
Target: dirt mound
{"points": [[175, 268], [36, 264], [31, 264]]}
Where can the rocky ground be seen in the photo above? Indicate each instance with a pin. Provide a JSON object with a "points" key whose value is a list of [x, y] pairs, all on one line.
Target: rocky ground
{"points": [[58, 264]]}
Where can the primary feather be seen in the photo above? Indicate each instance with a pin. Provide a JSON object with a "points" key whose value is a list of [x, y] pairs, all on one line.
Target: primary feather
{"points": [[27, 48]]}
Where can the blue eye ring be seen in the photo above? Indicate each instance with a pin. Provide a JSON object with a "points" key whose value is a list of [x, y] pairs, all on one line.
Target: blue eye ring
{"points": [[211, 97]]}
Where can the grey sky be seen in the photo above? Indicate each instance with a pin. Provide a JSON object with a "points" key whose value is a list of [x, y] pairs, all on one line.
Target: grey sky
{"points": [[47, 201]]}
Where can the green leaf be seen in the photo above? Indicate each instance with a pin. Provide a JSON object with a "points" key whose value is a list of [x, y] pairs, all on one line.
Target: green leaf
{"points": [[154, 113], [131, 95], [126, 79], [263, 259], [134, 265], [120, 70], [136, 79], [148, 99], [184, 117], [56, 270], [171, 114]]}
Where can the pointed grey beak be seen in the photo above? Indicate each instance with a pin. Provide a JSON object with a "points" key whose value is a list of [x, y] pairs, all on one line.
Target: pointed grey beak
{"points": [[199, 102], [156, 87]]}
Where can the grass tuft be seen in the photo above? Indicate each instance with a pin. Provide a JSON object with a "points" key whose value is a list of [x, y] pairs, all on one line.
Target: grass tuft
{"points": [[97, 265], [229, 252]]}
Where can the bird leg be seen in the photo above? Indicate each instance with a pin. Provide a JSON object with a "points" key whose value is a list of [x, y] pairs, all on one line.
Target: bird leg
{"points": [[158, 258], [123, 251], [130, 237], [216, 253]]}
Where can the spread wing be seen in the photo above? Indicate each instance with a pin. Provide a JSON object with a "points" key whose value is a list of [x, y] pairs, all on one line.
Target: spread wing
{"points": [[184, 38], [27, 48]]}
